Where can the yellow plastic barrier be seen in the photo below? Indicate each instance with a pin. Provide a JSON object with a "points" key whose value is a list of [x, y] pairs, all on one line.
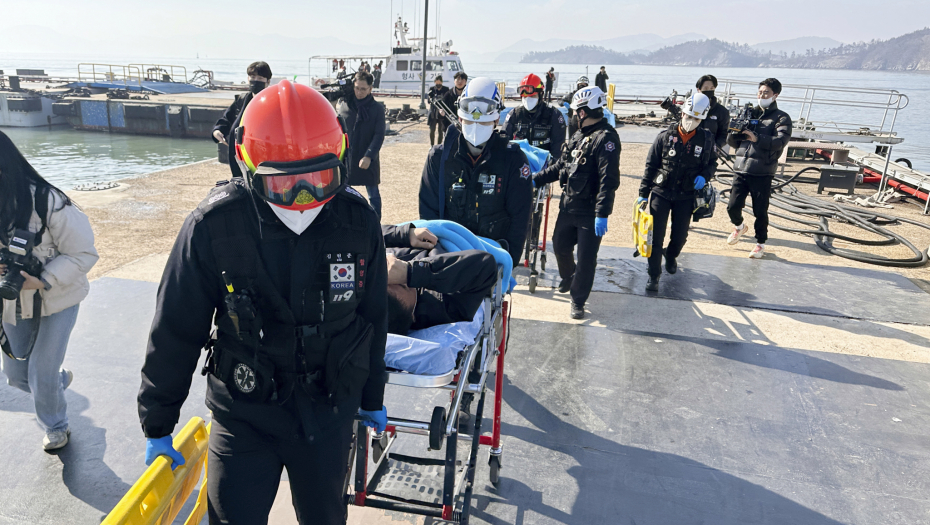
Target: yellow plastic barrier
{"points": [[501, 87], [158, 496], [642, 228], [611, 89]]}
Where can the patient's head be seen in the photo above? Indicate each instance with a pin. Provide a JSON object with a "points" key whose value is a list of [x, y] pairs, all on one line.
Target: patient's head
{"points": [[401, 302]]}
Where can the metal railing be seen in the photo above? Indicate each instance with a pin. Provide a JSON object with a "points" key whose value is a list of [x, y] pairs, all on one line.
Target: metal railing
{"points": [[90, 72], [162, 72], [816, 109]]}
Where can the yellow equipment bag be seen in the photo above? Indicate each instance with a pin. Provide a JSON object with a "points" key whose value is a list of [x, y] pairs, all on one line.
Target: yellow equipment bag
{"points": [[642, 228], [158, 496]]}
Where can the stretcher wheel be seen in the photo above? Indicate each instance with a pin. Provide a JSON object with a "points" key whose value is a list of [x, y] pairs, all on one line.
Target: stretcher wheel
{"points": [[495, 463], [437, 428], [542, 261], [533, 284]]}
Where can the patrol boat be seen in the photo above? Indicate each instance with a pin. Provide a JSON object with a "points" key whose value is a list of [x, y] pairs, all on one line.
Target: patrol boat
{"points": [[403, 68]]}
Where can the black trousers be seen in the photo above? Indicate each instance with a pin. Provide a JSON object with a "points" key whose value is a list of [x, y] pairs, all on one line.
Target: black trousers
{"points": [[548, 94], [441, 124], [680, 211], [570, 230], [244, 470], [759, 187]]}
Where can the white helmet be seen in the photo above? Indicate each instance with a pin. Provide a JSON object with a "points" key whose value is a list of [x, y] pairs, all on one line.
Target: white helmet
{"points": [[582, 80], [480, 101], [589, 97], [696, 106]]}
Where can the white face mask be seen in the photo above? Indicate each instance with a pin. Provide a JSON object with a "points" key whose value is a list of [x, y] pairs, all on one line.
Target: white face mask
{"points": [[295, 220], [766, 102], [689, 123], [477, 133], [530, 102]]}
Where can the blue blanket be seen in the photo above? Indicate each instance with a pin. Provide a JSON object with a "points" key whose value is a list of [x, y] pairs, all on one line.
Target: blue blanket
{"points": [[454, 237]]}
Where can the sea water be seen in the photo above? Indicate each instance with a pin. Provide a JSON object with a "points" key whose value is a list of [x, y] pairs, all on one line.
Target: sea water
{"points": [[70, 157]]}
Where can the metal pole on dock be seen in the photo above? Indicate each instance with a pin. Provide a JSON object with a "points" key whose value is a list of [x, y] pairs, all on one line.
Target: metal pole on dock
{"points": [[423, 66]]}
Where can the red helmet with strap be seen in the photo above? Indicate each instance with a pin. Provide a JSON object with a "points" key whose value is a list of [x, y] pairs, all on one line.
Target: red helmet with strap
{"points": [[291, 145], [530, 85]]}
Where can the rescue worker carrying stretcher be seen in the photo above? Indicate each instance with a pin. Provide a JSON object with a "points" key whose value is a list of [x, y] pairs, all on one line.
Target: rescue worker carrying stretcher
{"points": [[539, 123], [681, 160], [288, 266], [589, 173], [477, 178]]}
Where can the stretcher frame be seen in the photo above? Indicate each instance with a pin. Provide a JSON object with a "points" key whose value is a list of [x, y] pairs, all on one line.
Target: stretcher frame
{"points": [[535, 247], [442, 429]]}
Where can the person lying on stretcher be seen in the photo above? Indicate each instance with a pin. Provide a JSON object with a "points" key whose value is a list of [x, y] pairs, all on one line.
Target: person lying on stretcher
{"points": [[428, 285]]}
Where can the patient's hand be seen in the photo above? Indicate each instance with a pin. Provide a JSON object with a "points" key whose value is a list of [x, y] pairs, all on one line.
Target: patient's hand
{"points": [[422, 238], [397, 270]]}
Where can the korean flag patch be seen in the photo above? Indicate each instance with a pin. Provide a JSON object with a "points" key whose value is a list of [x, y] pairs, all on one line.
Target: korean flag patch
{"points": [[342, 273], [697, 151]]}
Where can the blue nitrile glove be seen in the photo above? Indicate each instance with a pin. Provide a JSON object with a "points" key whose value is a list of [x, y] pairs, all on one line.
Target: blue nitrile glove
{"points": [[699, 182], [162, 447], [640, 200], [376, 419], [600, 226]]}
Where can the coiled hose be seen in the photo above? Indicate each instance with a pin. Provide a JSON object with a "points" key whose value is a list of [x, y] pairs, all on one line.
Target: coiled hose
{"points": [[814, 214]]}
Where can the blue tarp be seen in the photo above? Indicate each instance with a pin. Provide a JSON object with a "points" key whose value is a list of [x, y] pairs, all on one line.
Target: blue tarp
{"points": [[161, 88]]}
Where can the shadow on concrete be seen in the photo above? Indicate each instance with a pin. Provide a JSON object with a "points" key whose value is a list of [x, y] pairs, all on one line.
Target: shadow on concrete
{"points": [[628, 485]]}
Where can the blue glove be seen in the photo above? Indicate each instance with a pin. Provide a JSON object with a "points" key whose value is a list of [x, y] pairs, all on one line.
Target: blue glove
{"points": [[162, 447], [376, 419], [699, 182], [640, 200], [600, 226]]}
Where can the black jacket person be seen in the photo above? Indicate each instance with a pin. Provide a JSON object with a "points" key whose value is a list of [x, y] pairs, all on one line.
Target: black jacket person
{"points": [[438, 287], [589, 173], [289, 268], [543, 128], [259, 77]]}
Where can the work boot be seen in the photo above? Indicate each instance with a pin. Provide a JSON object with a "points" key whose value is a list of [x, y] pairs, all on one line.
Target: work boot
{"points": [[56, 439], [566, 284], [737, 233], [653, 284], [577, 311], [671, 265], [757, 252], [67, 378]]}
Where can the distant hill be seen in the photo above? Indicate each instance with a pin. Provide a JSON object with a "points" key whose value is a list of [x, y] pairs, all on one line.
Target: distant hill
{"points": [[909, 52], [624, 44], [796, 45]]}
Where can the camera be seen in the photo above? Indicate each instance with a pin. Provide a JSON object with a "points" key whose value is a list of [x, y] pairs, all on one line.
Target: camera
{"points": [[669, 105], [743, 120], [18, 258], [343, 88]]}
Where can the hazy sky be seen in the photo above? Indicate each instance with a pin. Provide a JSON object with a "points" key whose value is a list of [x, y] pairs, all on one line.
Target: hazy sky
{"points": [[474, 25]]}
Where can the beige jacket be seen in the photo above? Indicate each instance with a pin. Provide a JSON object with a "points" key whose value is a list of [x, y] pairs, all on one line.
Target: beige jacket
{"points": [[68, 253]]}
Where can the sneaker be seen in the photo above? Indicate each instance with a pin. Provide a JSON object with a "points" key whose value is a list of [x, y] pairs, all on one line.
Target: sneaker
{"points": [[66, 381], [56, 439], [577, 311], [757, 252], [737, 233], [653, 284], [566, 285]]}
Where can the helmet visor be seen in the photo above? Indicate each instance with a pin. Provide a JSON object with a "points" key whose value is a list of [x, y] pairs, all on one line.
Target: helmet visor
{"points": [[299, 183], [527, 90], [477, 107]]}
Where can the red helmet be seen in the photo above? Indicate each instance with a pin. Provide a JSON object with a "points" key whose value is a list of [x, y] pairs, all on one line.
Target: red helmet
{"points": [[290, 144], [530, 85]]}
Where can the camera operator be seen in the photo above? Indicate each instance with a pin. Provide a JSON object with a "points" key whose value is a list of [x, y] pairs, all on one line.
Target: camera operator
{"points": [[718, 118], [438, 91], [259, 78], [758, 145], [364, 118], [46, 250]]}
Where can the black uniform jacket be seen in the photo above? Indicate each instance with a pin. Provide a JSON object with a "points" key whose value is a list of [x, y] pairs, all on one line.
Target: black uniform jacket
{"points": [[491, 197], [761, 157], [672, 175], [717, 122], [365, 122], [543, 128], [229, 122], [450, 286], [588, 186], [192, 292], [433, 94]]}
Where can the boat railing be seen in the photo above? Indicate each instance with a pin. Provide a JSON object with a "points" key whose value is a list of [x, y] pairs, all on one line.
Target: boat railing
{"points": [[92, 72], [163, 72], [816, 108]]}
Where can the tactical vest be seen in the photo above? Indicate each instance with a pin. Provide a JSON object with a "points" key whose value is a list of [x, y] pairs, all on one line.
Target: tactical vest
{"points": [[260, 351], [536, 131], [681, 163], [475, 195], [580, 179]]}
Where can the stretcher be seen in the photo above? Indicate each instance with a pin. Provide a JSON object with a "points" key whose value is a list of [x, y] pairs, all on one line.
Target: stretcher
{"points": [[536, 239], [435, 487]]}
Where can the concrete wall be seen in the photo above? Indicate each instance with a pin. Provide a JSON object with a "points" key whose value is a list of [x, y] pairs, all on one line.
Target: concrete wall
{"points": [[36, 117], [140, 117]]}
